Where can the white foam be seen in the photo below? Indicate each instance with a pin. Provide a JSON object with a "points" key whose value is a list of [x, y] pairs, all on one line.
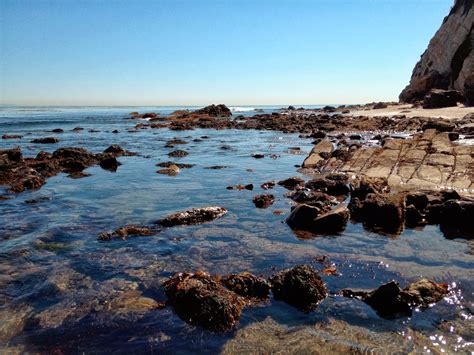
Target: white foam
{"points": [[242, 109]]}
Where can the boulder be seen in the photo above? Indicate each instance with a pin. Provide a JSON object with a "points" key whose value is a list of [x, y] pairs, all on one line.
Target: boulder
{"points": [[366, 185], [292, 183], [46, 140], [215, 111], [300, 287], [193, 216], [331, 222], [178, 153], [457, 219], [110, 164], [247, 285], [469, 89], [264, 200], [268, 185], [201, 300], [437, 98], [302, 217], [333, 184], [379, 212], [171, 170], [390, 301]]}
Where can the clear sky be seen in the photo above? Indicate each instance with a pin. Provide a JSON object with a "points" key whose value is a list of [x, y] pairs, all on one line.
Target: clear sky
{"points": [[195, 52]]}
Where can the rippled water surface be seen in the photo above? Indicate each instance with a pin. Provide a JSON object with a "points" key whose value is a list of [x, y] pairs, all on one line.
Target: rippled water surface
{"points": [[58, 283]]}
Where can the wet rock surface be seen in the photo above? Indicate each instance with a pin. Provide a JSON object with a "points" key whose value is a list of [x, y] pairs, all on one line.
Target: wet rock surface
{"points": [[300, 287], [390, 301], [199, 299], [193, 216], [126, 232], [264, 201], [22, 174], [247, 285]]}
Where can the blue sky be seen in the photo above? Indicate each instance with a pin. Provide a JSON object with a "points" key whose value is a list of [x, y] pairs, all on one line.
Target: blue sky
{"points": [[195, 52]]}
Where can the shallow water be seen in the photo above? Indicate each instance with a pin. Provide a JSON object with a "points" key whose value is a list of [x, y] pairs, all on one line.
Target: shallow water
{"points": [[57, 280]]}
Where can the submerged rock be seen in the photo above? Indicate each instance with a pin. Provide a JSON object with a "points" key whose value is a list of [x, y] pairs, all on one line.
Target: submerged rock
{"points": [[178, 153], [127, 231], [263, 201], [246, 284], [171, 170], [240, 187], [390, 301], [193, 216], [168, 164], [46, 140], [300, 287], [201, 300]]}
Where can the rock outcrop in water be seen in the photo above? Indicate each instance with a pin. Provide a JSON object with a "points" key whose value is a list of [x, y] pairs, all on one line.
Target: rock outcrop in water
{"points": [[448, 63], [193, 216], [390, 301], [300, 287], [200, 299], [22, 174]]}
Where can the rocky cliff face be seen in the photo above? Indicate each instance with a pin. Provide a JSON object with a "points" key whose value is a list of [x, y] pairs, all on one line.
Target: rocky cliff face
{"points": [[448, 63]]}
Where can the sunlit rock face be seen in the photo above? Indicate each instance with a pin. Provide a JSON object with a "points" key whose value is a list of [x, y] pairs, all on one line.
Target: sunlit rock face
{"points": [[449, 59]]}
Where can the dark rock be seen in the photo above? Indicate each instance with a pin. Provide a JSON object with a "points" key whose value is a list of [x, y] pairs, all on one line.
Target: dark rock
{"points": [[58, 130], [302, 216], [379, 212], [268, 185], [318, 135], [457, 219], [11, 136], [178, 153], [110, 164], [126, 231], [367, 185], [300, 287], [199, 299], [117, 150], [215, 111], [240, 187], [28, 182], [247, 285], [291, 108], [413, 217], [258, 156], [469, 88], [193, 216], [453, 136], [355, 137], [292, 183], [175, 141], [439, 125], [380, 105], [46, 140], [331, 185], [168, 164], [77, 129], [263, 201], [390, 301], [438, 98]]}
